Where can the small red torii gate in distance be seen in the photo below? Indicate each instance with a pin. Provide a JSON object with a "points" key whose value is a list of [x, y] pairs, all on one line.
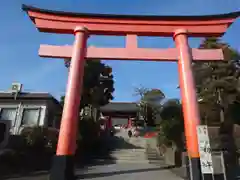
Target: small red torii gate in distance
{"points": [[84, 25]]}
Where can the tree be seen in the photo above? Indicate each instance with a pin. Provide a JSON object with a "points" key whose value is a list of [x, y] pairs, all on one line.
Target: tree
{"points": [[217, 83], [140, 91], [98, 86], [172, 124], [97, 83], [170, 114], [217, 86], [150, 102]]}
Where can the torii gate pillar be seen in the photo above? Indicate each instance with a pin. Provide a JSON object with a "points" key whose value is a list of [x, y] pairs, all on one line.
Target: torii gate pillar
{"points": [[63, 162], [189, 101]]}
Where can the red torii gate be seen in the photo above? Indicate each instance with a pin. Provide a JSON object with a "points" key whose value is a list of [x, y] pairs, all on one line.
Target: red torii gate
{"points": [[83, 25]]}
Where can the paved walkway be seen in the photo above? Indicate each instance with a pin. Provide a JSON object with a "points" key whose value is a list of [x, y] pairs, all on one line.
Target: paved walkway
{"points": [[131, 170], [128, 171], [120, 171]]}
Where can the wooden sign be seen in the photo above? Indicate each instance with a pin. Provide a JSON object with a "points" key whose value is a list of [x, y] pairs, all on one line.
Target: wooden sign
{"points": [[205, 150]]}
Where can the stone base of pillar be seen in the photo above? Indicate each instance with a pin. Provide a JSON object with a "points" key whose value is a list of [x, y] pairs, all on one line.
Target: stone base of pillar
{"points": [[195, 168], [62, 168]]}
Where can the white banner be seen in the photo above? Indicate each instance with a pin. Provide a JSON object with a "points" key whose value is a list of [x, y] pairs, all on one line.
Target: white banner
{"points": [[205, 150]]}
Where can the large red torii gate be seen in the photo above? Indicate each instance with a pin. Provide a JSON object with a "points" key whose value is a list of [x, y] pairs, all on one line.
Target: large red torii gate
{"points": [[84, 25]]}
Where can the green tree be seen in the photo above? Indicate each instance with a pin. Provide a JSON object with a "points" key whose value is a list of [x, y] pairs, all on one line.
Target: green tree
{"points": [[217, 83], [169, 111], [172, 124], [98, 84], [140, 91], [150, 100]]}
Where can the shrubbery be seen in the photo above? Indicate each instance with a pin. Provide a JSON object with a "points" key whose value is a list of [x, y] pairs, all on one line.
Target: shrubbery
{"points": [[171, 132], [34, 148], [89, 136], [40, 139], [30, 151]]}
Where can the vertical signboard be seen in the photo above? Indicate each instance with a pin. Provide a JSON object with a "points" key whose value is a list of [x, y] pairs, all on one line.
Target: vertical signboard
{"points": [[205, 150]]}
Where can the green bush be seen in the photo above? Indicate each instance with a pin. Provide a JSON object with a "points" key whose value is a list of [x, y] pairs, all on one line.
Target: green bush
{"points": [[88, 137], [171, 131], [40, 139], [34, 144]]}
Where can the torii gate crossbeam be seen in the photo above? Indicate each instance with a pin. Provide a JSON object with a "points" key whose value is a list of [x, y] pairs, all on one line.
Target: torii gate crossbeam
{"points": [[141, 54]]}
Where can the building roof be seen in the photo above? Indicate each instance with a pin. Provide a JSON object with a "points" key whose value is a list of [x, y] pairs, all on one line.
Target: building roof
{"points": [[29, 95], [142, 17], [120, 107]]}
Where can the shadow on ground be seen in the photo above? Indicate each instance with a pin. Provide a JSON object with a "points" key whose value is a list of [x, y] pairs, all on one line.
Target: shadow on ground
{"points": [[36, 165], [106, 174], [102, 155]]}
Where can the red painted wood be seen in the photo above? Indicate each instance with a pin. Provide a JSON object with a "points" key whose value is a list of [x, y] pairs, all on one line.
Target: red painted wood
{"points": [[65, 23], [70, 116], [188, 93], [131, 41], [160, 26], [123, 29], [143, 54]]}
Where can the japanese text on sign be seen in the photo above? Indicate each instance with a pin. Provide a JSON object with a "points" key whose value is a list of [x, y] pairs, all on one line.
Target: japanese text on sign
{"points": [[205, 150]]}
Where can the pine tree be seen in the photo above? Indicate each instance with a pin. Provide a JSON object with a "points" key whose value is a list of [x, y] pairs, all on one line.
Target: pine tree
{"points": [[217, 83], [98, 83]]}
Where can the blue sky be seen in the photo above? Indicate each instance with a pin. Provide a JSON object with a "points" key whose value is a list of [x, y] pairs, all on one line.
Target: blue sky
{"points": [[19, 43]]}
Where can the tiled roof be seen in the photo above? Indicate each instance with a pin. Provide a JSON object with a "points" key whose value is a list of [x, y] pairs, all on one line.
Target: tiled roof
{"points": [[120, 107], [141, 17], [28, 95]]}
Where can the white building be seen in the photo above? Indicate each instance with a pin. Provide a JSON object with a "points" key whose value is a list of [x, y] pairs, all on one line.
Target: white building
{"points": [[25, 110]]}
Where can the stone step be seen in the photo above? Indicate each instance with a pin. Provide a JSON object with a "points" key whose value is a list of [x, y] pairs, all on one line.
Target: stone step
{"points": [[153, 157], [131, 159], [128, 155], [133, 150], [157, 162], [151, 150], [151, 154], [122, 160], [114, 157]]}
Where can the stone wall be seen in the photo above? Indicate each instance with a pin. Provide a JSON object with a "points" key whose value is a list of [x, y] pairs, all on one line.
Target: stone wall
{"points": [[169, 152], [215, 138]]}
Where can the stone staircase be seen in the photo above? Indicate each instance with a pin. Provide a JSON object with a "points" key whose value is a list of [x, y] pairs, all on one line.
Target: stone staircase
{"points": [[130, 155], [152, 153], [131, 150], [136, 150], [139, 142], [153, 156]]}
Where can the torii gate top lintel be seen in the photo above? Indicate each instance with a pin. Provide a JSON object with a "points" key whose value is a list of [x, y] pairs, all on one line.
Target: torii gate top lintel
{"points": [[104, 24]]}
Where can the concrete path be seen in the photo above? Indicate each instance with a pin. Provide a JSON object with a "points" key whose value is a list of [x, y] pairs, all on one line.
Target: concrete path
{"points": [[127, 171], [120, 171], [131, 170]]}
